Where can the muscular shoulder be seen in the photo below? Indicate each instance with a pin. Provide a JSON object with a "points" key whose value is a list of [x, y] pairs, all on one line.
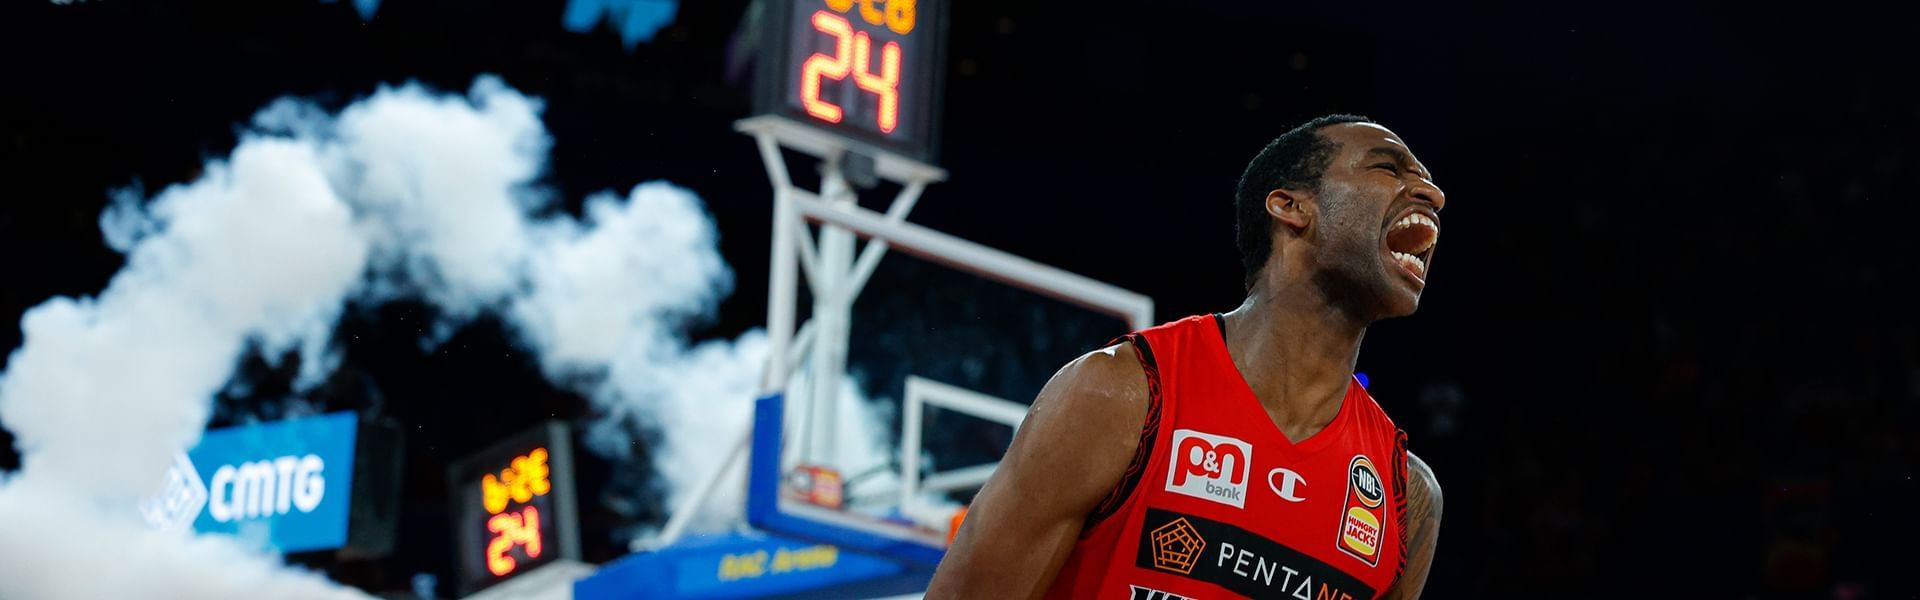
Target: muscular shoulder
{"points": [[1078, 437], [1067, 457], [1108, 375], [1103, 393], [1423, 488]]}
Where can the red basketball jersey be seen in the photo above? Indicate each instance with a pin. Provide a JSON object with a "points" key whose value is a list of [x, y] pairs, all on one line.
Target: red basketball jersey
{"points": [[1217, 503]]}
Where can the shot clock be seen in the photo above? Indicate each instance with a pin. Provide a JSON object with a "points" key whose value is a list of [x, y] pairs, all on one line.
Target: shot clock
{"points": [[513, 507], [868, 70]]}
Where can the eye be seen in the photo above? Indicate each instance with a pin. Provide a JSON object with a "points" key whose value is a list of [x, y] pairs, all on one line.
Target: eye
{"points": [[1390, 167]]}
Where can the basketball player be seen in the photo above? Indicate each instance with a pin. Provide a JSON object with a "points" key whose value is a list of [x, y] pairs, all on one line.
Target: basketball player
{"points": [[1236, 455]]}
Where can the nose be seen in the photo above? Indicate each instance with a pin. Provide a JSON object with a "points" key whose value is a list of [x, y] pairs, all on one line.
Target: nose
{"points": [[1426, 191]]}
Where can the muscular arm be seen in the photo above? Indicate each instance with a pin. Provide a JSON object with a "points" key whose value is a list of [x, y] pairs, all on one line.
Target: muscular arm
{"points": [[1070, 452], [1423, 521]]}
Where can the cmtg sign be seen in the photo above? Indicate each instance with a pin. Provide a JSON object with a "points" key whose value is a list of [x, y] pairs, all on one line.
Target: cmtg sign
{"points": [[267, 488], [286, 484]]}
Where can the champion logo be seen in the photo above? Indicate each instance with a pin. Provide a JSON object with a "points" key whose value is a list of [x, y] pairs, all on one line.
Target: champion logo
{"points": [[1287, 484]]}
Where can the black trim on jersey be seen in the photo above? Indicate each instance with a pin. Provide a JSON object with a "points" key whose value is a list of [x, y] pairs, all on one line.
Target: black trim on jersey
{"points": [[1142, 453], [1400, 499], [1221, 320], [1243, 562]]}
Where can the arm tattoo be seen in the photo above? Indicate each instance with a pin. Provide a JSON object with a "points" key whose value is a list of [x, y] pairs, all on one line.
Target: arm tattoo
{"points": [[1423, 512]]}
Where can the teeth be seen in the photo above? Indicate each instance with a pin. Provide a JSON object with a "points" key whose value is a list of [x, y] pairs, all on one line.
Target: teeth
{"points": [[1416, 219], [1418, 266]]}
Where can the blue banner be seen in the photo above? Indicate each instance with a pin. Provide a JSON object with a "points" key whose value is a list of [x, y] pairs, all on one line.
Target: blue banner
{"points": [[285, 484], [735, 565]]}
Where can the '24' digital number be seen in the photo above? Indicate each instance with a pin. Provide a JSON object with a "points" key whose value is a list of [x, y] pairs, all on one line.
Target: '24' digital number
{"points": [[852, 54], [512, 529]]}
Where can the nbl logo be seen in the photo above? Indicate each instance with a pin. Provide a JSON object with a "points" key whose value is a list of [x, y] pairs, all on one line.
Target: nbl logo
{"points": [[1212, 467], [1366, 483]]}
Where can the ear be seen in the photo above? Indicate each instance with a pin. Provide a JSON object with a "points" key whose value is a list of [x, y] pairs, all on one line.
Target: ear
{"points": [[1292, 208]]}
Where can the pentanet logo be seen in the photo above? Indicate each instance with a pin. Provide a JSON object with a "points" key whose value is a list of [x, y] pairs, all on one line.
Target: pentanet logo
{"points": [[1212, 467], [1241, 561]]}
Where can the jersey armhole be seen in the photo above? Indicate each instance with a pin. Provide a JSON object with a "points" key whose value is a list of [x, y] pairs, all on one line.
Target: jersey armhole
{"points": [[1143, 452]]}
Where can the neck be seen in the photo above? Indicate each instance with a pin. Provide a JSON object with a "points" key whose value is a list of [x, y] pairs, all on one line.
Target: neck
{"points": [[1296, 350]]}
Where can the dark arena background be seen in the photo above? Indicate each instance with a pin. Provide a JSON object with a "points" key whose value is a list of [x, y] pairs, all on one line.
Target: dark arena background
{"points": [[1670, 348]]}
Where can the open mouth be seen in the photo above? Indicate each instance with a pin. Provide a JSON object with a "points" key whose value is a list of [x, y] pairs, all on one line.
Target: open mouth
{"points": [[1410, 241]]}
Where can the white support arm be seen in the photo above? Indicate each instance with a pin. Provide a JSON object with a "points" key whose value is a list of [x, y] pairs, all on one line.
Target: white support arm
{"points": [[877, 248], [961, 254], [959, 479], [921, 392]]}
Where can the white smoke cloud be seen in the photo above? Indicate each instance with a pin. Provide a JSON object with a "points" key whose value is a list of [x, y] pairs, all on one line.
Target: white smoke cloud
{"points": [[603, 300], [61, 544], [626, 275], [402, 195], [701, 401], [405, 194], [105, 390], [606, 300], [443, 182]]}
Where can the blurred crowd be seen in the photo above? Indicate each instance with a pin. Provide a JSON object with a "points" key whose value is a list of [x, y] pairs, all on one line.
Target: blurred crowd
{"points": [[1709, 377]]}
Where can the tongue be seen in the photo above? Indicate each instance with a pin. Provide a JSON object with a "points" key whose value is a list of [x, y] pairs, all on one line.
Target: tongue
{"points": [[1407, 239]]}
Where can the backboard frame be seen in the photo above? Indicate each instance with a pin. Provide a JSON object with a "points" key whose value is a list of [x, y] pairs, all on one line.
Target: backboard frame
{"points": [[834, 276]]}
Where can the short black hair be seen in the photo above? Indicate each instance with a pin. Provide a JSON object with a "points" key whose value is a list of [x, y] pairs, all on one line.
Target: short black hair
{"points": [[1295, 160]]}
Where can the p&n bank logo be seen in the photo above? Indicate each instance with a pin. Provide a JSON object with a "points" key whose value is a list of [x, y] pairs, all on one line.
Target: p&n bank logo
{"points": [[1213, 467]]}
